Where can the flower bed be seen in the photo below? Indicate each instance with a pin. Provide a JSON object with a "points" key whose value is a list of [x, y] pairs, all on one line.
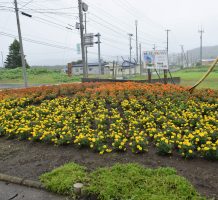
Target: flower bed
{"points": [[109, 117]]}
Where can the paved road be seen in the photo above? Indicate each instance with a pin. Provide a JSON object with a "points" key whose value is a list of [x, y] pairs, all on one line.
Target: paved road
{"points": [[10, 86], [17, 192]]}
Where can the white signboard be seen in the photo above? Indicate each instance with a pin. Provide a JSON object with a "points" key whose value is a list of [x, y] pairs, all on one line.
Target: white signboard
{"points": [[156, 59], [89, 40]]}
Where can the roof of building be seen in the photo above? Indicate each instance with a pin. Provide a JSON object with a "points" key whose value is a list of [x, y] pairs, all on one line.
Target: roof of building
{"points": [[128, 64], [90, 64], [208, 60]]}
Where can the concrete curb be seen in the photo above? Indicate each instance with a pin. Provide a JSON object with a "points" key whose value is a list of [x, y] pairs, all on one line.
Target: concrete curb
{"points": [[21, 181]]}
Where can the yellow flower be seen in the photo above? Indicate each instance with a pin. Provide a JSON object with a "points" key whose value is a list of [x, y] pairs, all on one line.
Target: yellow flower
{"points": [[206, 148], [108, 150], [139, 147], [101, 152], [93, 139]]}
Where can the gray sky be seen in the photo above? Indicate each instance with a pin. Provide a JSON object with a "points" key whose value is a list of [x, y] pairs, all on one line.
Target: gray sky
{"points": [[114, 19]]}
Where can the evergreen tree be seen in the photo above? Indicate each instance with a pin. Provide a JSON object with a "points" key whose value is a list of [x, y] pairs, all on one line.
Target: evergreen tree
{"points": [[13, 59]]}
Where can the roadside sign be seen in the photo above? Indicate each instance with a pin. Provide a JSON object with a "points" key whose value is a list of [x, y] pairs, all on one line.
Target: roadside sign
{"points": [[89, 40], [156, 59], [149, 62]]}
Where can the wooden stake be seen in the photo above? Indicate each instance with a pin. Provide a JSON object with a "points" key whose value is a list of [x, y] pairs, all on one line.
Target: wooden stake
{"points": [[149, 75]]}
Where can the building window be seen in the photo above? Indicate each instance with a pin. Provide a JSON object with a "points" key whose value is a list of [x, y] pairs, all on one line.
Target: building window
{"points": [[76, 70], [90, 69]]}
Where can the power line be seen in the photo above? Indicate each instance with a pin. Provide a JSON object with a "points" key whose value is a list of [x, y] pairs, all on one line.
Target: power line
{"points": [[53, 9], [37, 42], [45, 14], [29, 2], [108, 15], [130, 8]]}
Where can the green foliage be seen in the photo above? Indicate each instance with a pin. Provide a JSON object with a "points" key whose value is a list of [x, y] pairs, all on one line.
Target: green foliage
{"points": [[10, 74], [164, 148], [13, 59], [62, 179], [36, 76], [121, 182], [132, 181]]}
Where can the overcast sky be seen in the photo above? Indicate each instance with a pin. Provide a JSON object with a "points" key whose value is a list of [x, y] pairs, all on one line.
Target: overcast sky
{"points": [[113, 19]]}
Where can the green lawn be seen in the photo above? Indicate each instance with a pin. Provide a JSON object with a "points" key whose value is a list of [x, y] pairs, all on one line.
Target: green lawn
{"points": [[36, 76], [189, 78], [192, 75]]}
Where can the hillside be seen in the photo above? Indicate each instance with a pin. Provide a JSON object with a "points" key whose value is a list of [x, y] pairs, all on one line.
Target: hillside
{"points": [[208, 52]]}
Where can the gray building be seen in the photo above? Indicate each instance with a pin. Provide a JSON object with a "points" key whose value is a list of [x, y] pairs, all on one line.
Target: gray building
{"points": [[93, 68]]}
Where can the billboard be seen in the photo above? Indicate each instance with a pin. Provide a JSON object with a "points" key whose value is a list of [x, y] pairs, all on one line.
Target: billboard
{"points": [[89, 40], [149, 60], [156, 59]]}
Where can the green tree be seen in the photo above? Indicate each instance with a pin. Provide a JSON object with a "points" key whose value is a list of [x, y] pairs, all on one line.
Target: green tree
{"points": [[13, 59]]}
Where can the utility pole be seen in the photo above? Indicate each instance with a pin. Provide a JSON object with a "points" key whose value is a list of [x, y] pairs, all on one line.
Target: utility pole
{"points": [[130, 52], [167, 41], [165, 70], [21, 45], [140, 58], [113, 73], [187, 59], [137, 46], [154, 48], [86, 47], [182, 57], [85, 70], [201, 44], [130, 47], [99, 53]]}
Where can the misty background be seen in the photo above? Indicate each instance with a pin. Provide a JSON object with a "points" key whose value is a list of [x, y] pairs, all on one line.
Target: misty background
{"points": [[52, 21]]}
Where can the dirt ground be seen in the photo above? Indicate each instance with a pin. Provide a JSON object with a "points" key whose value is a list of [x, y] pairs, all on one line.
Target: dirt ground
{"points": [[29, 160]]}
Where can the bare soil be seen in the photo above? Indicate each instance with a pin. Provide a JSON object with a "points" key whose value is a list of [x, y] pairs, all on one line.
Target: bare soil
{"points": [[30, 160]]}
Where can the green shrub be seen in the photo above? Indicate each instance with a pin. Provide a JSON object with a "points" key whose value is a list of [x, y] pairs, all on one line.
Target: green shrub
{"points": [[121, 182], [132, 181], [11, 74], [164, 148], [62, 179]]}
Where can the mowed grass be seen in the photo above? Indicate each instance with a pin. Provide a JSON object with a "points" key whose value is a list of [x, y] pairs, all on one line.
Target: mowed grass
{"points": [[36, 76], [190, 76], [121, 182]]}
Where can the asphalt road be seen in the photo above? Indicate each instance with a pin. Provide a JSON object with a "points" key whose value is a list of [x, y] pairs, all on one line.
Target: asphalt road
{"points": [[11, 86], [17, 192]]}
